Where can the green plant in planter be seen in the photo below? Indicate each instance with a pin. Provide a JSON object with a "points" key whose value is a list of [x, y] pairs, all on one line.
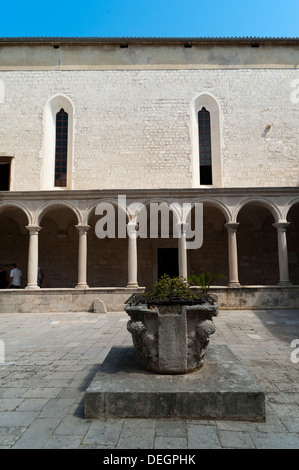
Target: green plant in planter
{"points": [[171, 288], [204, 280], [176, 290]]}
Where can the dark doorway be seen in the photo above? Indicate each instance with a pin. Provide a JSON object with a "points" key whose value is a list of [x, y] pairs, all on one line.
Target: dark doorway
{"points": [[4, 173], [168, 262]]}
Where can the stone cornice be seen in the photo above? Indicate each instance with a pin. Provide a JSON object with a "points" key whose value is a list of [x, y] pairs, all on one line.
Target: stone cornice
{"points": [[188, 41], [67, 54], [139, 193]]}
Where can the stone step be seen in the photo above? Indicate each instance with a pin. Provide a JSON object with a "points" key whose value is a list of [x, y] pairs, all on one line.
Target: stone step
{"points": [[222, 389]]}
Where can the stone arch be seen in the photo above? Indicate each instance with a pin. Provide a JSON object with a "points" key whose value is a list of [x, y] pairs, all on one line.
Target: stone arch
{"points": [[175, 208], [52, 106], [257, 243], [288, 207], [4, 206], [212, 256], [90, 210], [217, 204], [258, 202], [157, 241], [49, 206], [212, 105], [14, 237], [107, 258], [58, 243]]}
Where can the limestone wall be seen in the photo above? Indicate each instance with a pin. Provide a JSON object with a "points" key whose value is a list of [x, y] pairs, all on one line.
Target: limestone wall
{"points": [[132, 128]]}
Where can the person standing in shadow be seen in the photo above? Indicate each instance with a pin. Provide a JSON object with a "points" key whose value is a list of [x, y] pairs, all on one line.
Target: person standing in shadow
{"points": [[15, 277], [40, 276]]}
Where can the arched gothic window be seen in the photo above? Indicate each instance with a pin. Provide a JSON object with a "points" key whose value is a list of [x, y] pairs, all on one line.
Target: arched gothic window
{"points": [[58, 144], [206, 141], [205, 149], [61, 148]]}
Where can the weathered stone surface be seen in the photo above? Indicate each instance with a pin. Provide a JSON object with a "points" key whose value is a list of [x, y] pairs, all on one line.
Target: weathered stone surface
{"points": [[172, 344], [99, 306], [221, 389], [171, 339], [244, 298]]}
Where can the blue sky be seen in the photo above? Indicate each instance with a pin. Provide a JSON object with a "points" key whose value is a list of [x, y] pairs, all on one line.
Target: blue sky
{"points": [[151, 18]]}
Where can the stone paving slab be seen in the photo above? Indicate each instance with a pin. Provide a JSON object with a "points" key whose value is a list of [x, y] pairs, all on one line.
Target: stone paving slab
{"points": [[38, 347]]}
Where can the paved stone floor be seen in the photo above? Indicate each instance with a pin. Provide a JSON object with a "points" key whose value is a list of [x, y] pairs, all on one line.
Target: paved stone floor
{"points": [[51, 358]]}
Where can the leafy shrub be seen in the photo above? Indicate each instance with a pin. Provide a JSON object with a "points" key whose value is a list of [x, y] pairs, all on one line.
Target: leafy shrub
{"points": [[177, 290], [171, 287]]}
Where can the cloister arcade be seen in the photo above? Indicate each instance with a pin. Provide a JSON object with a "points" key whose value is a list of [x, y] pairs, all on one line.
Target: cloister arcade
{"points": [[251, 239]]}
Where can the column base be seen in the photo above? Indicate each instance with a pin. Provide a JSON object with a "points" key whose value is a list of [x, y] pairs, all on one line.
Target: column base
{"points": [[32, 287], [284, 283], [132, 285], [234, 284], [82, 286]]}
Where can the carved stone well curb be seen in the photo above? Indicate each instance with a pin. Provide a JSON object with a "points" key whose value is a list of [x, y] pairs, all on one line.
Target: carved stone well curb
{"points": [[171, 338]]}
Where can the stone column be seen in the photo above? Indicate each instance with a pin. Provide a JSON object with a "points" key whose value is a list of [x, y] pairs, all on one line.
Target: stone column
{"points": [[32, 270], [183, 268], [132, 255], [282, 253], [82, 256], [232, 254]]}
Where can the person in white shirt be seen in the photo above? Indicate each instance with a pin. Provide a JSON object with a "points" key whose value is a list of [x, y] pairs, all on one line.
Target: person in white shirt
{"points": [[15, 277]]}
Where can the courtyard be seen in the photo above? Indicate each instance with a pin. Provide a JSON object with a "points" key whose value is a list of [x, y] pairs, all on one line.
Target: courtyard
{"points": [[51, 358]]}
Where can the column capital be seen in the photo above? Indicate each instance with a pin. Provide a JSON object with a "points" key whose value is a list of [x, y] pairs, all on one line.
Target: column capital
{"points": [[82, 228], [282, 225], [132, 229], [231, 226], [33, 228], [182, 224], [182, 227]]}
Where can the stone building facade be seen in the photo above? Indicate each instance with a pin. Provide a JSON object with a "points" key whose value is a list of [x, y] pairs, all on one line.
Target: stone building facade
{"points": [[134, 112]]}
